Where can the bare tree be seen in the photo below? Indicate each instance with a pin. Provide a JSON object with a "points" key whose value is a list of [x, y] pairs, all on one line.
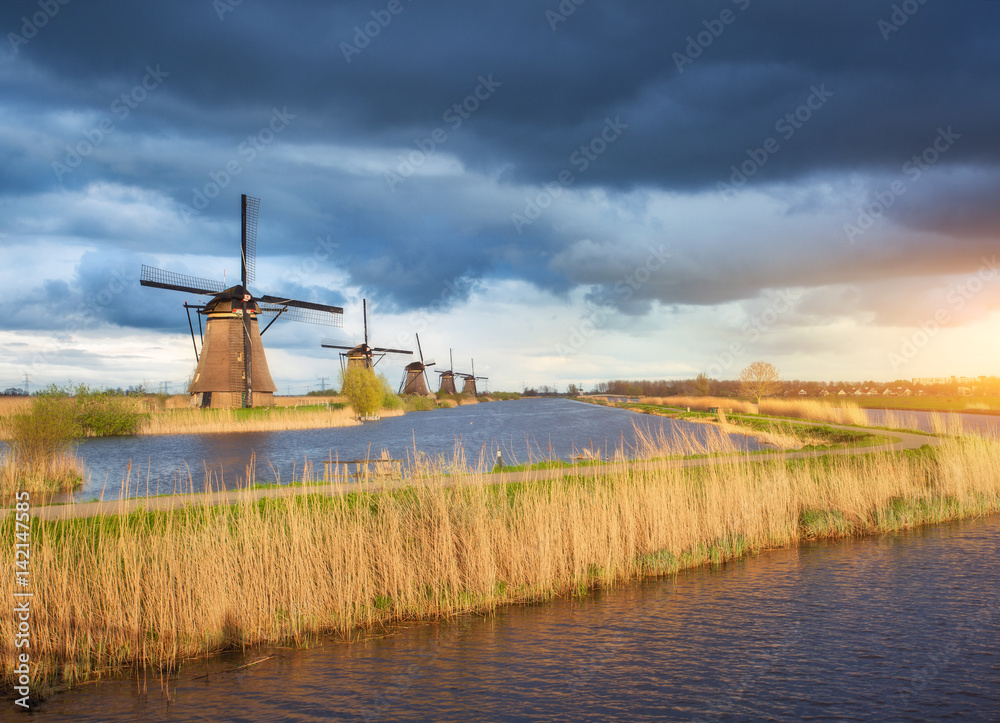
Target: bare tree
{"points": [[760, 379]]}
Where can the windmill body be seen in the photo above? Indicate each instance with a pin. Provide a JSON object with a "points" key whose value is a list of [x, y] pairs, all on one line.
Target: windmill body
{"points": [[219, 379], [232, 369], [469, 385], [415, 375], [362, 356], [414, 382], [446, 384]]}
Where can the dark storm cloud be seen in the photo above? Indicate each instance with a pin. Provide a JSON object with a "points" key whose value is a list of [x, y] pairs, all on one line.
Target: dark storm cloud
{"points": [[832, 89], [687, 126]]}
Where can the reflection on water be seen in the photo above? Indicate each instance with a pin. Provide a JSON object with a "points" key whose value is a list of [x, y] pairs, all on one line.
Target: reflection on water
{"points": [[901, 627], [988, 424], [525, 430]]}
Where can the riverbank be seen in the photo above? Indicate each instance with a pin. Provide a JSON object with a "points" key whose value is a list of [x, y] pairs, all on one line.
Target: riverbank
{"points": [[173, 416], [155, 588]]}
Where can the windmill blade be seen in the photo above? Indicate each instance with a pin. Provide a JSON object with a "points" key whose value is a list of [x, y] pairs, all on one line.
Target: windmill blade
{"points": [[248, 244], [327, 343], [282, 301], [161, 279], [304, 311], [383, 350], [428, 364], [419, 349], [295, 313]]}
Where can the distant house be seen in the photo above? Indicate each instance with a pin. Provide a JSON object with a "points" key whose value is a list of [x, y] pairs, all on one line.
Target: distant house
{"points": [[887, 393], [824, 393], [803, 393], [873, 392], [841, 393], [907, 393], [858, 393]]}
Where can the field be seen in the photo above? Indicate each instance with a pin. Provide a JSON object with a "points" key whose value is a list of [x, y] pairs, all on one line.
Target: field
{"points": [[153, 589]]}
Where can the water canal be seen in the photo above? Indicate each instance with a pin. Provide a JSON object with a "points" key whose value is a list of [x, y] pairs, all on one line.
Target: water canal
{"points": [[524, 430]]}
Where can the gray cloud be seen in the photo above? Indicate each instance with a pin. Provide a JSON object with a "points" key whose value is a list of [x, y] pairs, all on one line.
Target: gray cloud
{"points": [[686, 129]]}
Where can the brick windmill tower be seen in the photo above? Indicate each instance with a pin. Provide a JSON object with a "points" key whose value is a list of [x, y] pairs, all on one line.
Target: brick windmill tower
{"points": [[232, 369], [447, 382], [469, 387], [415, 377]]}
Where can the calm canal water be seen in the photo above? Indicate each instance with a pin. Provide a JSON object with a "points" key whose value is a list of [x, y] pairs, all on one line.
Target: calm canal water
{"points": [[524, 430], [899, 627]]}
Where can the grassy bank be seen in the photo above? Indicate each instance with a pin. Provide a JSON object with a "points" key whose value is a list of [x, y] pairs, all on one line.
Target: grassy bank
{"points": [[257, 419], [155, 589]]}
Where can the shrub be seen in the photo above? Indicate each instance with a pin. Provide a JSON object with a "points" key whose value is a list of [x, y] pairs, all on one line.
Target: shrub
{"points": [[390, 400], [417, 403], [363, 389], [106, 414], [39, 439]]}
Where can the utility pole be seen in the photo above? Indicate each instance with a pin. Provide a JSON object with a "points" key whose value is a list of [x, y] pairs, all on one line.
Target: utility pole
{"points": [[27, 391], [322, 383]]}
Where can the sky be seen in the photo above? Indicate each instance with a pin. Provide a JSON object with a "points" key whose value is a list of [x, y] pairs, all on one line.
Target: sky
{"points": [[565, 192]]}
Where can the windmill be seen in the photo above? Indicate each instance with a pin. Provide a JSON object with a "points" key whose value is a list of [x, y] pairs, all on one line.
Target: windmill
{"points": [[447, 383], [415, 379], [361, 355], [232, 369], [470, 380]]}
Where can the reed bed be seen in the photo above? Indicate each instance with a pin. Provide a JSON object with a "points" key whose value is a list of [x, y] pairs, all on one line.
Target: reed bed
{"points": [[703, 404], [14, 405], [154, 589], [814, 409], [198, 421]]}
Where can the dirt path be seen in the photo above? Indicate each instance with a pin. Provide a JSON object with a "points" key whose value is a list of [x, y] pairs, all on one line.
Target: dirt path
{"points": [[906, 440]]}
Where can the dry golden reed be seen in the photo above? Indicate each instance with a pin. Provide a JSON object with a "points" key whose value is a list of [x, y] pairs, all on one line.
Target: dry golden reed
{"points": [[154, 590], [703, 404], [812, 409], [192, 421], [843, 413], [14, 405]]}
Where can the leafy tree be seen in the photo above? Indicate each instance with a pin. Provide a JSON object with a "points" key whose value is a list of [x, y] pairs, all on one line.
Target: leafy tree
{"points": [[760, 379], [363, 390], [702, 385]]}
